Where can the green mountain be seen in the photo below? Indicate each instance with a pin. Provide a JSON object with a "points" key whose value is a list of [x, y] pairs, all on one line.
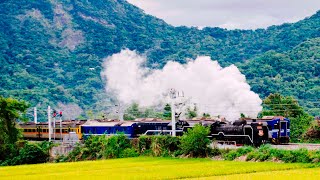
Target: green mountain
{"points": [[52, 50]]}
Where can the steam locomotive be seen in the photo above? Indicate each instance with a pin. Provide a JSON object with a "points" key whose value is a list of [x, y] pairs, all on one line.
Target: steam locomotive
{"points": [[241, 132]]}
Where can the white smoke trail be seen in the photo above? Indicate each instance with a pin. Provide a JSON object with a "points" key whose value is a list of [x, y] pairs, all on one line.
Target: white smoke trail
{"points": [[215, 90]]}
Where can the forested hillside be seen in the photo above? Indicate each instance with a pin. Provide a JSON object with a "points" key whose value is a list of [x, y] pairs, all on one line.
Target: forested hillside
{"points": [[52, 50]]}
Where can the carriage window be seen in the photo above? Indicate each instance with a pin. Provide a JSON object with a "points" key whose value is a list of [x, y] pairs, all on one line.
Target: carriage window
{"points": [[276, 126]]}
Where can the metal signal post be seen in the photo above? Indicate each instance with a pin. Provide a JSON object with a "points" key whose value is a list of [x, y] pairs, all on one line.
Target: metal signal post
{"points": [[60, 114], [49, 123], [173, 95], [173, 117]]}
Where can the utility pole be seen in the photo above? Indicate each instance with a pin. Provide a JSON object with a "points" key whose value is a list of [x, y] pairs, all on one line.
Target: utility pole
{"points": [[49, 123], [54, 124], [173, 96], [120, 112], [60, 114], [35, 117]]}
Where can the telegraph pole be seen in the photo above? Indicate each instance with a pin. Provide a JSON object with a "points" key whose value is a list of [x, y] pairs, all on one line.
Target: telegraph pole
{"points": [[54, 124], [49, 123], [173, 113], [173, 95], [120, 112], [60, 114], [35, 117]]}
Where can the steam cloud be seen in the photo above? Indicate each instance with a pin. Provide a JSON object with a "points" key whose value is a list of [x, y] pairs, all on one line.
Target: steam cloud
{"points": [[215, 90]]}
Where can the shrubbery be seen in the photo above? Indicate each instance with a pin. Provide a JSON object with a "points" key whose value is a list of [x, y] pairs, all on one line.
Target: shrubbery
{"points": [[27, 153], [195, 142], [101, 147], [233, 154], [266, 153]]}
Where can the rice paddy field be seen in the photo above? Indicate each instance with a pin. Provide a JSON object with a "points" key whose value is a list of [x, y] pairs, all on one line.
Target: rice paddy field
{"points": [[161, 168]]}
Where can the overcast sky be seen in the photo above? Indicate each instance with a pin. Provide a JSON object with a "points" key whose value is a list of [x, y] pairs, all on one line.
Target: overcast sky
{"points": [[230, 14]]}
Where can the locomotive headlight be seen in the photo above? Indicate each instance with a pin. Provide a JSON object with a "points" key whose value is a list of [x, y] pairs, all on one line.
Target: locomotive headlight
{"points": [[260, 133]]}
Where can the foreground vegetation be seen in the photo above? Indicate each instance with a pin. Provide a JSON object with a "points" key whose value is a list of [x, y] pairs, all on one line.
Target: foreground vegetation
{"points": [[144, 168], [194, 143]]}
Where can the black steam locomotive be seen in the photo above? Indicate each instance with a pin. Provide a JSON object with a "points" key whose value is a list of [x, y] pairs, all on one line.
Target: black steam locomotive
{"points": [[255, 133]]}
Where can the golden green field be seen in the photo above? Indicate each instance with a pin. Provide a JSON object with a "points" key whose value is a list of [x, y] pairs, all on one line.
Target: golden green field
{"points": [[161, 168]]}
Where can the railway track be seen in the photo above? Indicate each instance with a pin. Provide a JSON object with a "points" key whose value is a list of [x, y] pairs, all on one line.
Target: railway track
{"points": [[289, 146], [292, 146]]}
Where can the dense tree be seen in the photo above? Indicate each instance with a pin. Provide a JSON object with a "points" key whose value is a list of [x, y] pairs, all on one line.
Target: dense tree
{"points": [[278, 105], [195, 142], [191, 113], [48, 57], [11, 110], [167, 112]]}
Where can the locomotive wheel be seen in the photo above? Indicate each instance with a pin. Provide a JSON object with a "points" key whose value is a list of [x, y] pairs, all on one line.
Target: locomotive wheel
{"points": [[221, 136], [275, 141], [246, 141]]}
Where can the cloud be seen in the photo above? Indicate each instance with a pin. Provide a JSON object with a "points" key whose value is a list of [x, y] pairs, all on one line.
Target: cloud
{"points": [[215, 90], [231, 14]]}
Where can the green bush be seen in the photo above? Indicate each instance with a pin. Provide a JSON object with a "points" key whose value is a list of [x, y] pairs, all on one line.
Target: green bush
{"points": [[237, 153], [115, 145], [129, 152], [315, 157], [144, 144], [61, 158], [300, 155], [164, 145], [195, 142], [157, 145], [289, 156], [215, 152], [231, 155], [29, 154]]}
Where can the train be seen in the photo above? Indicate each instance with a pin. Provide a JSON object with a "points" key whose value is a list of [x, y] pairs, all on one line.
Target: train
{"points": [[255, 132], [40, 131]]}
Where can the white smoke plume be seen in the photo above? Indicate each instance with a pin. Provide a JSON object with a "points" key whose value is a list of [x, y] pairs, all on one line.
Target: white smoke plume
{"points": [[215, 90]]}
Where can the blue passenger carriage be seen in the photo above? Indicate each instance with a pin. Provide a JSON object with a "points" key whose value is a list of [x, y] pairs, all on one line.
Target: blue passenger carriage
{"points": [[110, 127]]}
